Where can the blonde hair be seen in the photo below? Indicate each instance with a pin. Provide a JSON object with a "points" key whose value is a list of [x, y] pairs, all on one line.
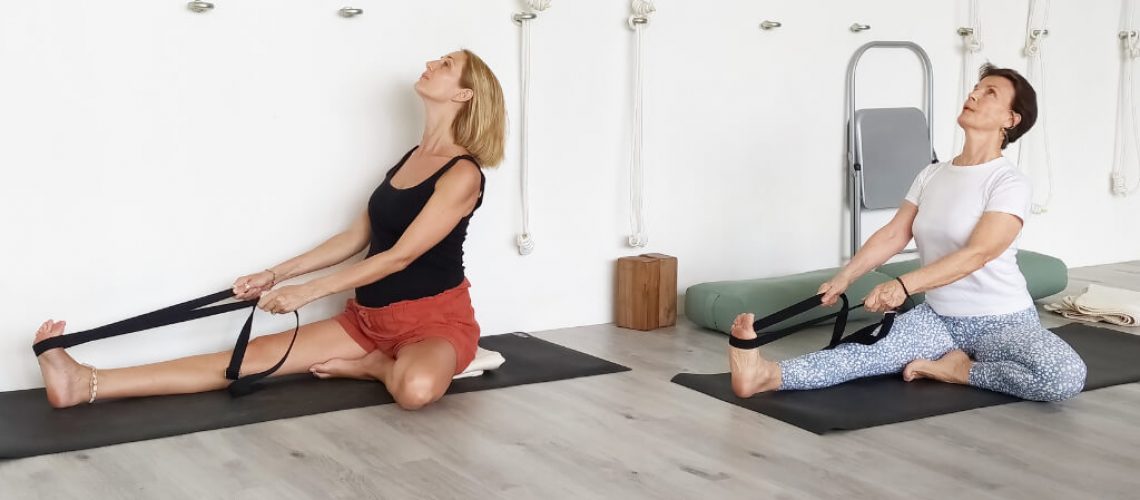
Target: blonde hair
{"points": [[481, 126]]}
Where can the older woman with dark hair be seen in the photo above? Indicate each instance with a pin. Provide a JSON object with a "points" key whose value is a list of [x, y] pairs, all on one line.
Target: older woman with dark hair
{"points": [[978, 325]]}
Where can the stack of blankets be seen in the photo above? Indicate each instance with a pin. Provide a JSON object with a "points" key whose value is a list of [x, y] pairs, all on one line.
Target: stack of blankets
{"points": [[1101, 303]]}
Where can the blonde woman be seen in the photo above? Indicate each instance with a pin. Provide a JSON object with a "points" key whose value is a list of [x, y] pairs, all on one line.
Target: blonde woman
{"points": [[411, 325]]}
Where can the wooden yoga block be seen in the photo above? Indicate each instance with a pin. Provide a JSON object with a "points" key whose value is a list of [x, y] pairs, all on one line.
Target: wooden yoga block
{"points": [[646, 291]]}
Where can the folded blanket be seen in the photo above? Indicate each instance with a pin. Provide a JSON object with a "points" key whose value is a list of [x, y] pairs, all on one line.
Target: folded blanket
{"points": [[484, 361], [1101, 303]]}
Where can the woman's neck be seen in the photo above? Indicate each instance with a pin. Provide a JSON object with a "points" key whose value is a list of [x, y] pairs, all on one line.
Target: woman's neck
{"points": [[438, 139], [979, 149]]}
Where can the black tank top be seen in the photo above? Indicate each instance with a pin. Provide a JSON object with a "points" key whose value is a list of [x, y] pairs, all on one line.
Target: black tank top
{"points": [[391, 211]]}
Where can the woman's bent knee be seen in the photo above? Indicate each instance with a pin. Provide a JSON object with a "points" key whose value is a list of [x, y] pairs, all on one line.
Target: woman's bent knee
{"points": [[415, 391]]}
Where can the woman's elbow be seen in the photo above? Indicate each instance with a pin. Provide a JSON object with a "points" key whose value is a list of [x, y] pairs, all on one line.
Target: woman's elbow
{"points": [[400, 261], [897, 234], [356, 241], [359, 246], [977, 258]]}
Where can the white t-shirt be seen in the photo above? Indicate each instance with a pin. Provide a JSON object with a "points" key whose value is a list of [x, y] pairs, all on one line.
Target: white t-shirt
{"points": [[951, 200]]}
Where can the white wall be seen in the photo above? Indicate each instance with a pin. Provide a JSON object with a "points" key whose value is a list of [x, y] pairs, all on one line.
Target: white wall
{"points": [[151, 155]]}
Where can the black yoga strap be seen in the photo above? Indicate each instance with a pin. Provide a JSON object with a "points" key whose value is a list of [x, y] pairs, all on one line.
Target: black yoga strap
{"points": [[178, 313], [865, 335]]}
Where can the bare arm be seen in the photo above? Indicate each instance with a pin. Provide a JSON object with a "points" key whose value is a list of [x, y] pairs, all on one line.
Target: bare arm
{"points": [[993, 234], [887, 242], [456, 194], [333, 251]]}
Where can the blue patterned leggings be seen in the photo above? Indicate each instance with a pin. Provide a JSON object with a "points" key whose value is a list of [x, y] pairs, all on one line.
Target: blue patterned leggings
{"points": [[1012, 354]]}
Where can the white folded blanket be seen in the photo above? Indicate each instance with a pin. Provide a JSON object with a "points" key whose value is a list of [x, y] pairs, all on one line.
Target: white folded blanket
{"points": [[484, 361], [1101, 303]]}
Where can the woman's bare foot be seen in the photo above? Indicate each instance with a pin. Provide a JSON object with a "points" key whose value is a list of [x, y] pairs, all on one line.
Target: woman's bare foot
{"points": [[368, 367], [751, 373], [952, 368], [67, 383]]}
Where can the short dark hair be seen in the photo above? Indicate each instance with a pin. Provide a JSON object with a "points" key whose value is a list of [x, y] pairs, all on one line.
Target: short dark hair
{"points": [[1024, 100]]}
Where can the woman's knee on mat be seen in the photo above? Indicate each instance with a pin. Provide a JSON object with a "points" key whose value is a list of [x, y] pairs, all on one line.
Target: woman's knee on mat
{"points": [[1057, 376], [1072, 383], [1066, 378], [418, 388]]}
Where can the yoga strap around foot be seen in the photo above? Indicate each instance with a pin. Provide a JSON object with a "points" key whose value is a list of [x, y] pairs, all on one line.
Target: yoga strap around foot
{"points": [[866, 335], [178, 313]]}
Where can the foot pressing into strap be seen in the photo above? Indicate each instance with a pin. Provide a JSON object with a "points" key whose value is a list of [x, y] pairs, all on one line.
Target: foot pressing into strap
{"points": [[751, 373], [67, 382], [952, 368]]}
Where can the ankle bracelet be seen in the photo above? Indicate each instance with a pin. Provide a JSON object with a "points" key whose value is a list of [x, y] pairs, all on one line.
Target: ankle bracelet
{"points": [[94, 385]]}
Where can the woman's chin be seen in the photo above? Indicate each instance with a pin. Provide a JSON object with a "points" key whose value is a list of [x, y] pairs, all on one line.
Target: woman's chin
{"points": [[419, 88]]}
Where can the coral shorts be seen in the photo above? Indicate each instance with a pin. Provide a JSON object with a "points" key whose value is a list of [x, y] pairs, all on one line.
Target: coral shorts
{"points": [[448, 316]]}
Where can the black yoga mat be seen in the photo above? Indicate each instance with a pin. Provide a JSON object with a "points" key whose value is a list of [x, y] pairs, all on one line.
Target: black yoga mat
{"points": [[1111, 357], [29, 426]]}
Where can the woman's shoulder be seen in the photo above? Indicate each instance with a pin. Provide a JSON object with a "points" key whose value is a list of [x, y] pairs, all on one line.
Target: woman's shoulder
{"points": [[1006, 172], [931, 170], [464, 172], [465, 162]]}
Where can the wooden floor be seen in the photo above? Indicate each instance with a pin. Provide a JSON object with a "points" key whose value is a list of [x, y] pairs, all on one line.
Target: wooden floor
{"points": [[627, 435]]}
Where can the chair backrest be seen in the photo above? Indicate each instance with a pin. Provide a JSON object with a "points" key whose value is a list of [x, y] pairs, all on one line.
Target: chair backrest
{"points": [[892, 145]]}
